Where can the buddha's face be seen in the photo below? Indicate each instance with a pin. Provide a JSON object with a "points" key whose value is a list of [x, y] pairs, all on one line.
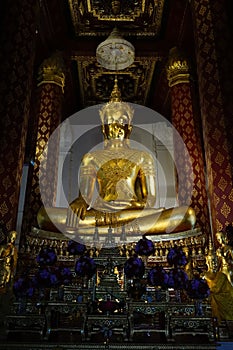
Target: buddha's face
{"points": [[12, 236], [221, 238], [116, 126]]}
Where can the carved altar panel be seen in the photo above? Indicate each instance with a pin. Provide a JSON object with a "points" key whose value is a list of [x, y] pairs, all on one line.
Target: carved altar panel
{"points": [[98, 17], [96, 83]]}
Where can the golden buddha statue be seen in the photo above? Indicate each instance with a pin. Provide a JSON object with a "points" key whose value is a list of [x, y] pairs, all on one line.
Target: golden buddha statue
{"points": [[225, 255], [221, 290], [8, 259], [126, 182]]}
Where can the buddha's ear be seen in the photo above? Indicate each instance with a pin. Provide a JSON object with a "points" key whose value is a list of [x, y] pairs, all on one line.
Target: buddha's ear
{"points": [[129, 129], [103, 131]]}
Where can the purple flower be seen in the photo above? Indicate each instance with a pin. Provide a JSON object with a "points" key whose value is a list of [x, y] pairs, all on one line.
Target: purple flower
{"points": [[157, 276], [47, 277], [76, 248], [144, 247], [198, 288], [46, 257], [66, 276], [176, 257], [23, 287], [54, 279], [85, 267], [177, 279], [134, 267]]}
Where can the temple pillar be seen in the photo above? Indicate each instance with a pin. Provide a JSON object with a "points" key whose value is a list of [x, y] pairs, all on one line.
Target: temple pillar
{"points": [[213, 44], [17, 42], [51, 81], [191, 187]]}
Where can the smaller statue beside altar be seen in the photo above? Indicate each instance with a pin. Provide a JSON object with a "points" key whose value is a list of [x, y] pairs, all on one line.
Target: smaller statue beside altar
{"points": [[8, 258], [221, 290], [225, 252]]}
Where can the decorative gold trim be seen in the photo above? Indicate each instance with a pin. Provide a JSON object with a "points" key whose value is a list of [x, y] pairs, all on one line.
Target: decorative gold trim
{"points": [[146, 63], [52, 71], [144, 19], [119, 17], [178, 68]]}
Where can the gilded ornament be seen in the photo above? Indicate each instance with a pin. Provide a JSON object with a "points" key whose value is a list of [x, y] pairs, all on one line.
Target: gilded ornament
{"points": [[178, 68], [8, 259], [115, 53], [52, 71], [134, 13]]}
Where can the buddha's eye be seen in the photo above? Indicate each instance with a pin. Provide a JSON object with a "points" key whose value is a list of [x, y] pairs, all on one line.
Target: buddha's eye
{"points": [[123, 120]]}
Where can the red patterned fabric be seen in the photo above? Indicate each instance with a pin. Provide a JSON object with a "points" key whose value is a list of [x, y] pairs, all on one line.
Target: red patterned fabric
{"points": [[16, 68], [190, 167], [208, 17], [49, 117]]}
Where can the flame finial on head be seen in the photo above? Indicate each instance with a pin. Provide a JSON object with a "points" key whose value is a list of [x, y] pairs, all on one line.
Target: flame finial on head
{"points": [[115, 106], [116, 94]]}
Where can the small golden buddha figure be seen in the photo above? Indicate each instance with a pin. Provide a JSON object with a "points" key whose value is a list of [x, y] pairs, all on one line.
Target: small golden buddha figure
{"points": [[221, 290], [8, 258], [225, 255], [126, 182]]}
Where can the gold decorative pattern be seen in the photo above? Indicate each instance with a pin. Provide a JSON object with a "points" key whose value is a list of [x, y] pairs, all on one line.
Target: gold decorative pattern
{"points": [[96, 82], [140, 18], [49, 116], [52, 71], [190, 167], [18, 55], [215, 119], [178, 68]]}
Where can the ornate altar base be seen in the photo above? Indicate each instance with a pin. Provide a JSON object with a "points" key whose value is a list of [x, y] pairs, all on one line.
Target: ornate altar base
{"points": [[63, 322], [194, 239], [93, 346]]}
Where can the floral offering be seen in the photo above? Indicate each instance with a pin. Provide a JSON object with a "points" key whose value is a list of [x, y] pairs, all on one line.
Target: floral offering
{"points": [[46, 257], [176, 257], [198, 288], [76, 248], [134, 267], [157, 276], [85, 267], [144, 247]]}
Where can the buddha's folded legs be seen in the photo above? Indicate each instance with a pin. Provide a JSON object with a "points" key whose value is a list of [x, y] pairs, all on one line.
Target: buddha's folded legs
{"points": [[149, 220]]}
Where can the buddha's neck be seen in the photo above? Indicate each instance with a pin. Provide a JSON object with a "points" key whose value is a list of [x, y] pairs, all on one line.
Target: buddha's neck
{"points": [[116, 144]]}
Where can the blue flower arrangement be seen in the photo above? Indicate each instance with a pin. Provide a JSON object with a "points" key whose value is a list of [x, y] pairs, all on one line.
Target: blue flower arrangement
{"points": [[177, 279], [47, 277], [176, 257], [46, 257], [23, 288], [144, 247], [157, 276], [65, 276], [76, 248], [85, 267], [134, 267], [198, 288]]}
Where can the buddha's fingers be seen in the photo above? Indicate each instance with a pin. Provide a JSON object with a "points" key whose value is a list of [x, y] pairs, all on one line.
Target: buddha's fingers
{"points": [[73, 218], [70, 218]]}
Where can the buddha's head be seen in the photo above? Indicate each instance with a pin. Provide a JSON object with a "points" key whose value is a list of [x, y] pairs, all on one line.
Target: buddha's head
{"points": [[12, 236], [116, 117], [221, 238]]}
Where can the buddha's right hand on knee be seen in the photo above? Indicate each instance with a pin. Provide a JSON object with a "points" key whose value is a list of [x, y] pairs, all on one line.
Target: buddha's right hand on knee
{"points": [[76, 211]]}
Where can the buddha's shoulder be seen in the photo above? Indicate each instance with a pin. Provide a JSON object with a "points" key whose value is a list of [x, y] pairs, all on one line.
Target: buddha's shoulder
{"points": [[132, 153]]}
